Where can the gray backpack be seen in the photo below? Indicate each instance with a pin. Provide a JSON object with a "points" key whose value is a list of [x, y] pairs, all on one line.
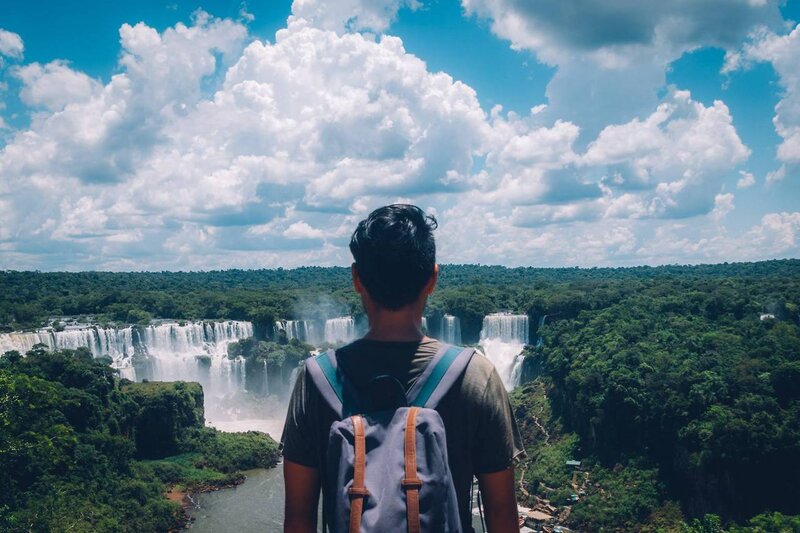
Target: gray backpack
{"points": [[387, 467]]}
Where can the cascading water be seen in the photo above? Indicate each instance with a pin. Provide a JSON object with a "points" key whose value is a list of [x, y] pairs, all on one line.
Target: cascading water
{"points": [[424, 324], [339, 330], [266, 379], [503, 337], [118, 343], [169, 351], [451, 330], [177, 351], [304, 330]]}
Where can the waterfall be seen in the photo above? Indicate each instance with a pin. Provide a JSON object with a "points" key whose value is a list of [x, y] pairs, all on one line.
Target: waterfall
{"points": [[451, 330], [266, 379], [425, 325], [503, 337], [170, 349], [303, 330], [191, 351], [341, 329], [117, 343], [177, 351]]}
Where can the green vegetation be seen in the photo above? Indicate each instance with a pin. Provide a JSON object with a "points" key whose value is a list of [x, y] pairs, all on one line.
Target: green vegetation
{"points": [[677, 387], [82, 450], [668, 390], [277, 359]]}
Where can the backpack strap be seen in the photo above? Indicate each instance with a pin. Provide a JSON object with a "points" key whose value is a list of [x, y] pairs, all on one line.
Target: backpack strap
{"points": [[441, 373], [329, 381], [411, 482], [358, 491]]}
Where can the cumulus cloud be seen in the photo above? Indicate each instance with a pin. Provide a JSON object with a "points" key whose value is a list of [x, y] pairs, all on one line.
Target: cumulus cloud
{"points": [[669, 165], [11, 45], [301, 230], [616, 32], [778, 233], [316, 120], [55, 85], [209, 149], [723, 204], [781, 51], [354, 15], [612, 56], [747, 180]]}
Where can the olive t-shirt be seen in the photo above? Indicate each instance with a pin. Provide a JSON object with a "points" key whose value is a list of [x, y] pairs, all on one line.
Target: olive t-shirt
{"points": [[482, 435]]}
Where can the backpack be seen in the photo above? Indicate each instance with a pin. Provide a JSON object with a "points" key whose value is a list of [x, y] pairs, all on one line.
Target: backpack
{"points": [[387, 469]]}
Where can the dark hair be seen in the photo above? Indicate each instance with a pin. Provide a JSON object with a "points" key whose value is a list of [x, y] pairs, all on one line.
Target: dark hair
{"points": [[395, 253]]}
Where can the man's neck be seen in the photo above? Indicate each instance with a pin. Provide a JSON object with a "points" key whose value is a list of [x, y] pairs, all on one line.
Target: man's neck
{"points": [[395, 326]]}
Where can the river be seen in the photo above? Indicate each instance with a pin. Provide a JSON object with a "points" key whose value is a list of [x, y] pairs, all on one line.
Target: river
{"points": [[255, 505]]}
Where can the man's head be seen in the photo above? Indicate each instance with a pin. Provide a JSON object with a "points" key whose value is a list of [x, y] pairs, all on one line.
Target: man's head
{"points": [[395, 254]]}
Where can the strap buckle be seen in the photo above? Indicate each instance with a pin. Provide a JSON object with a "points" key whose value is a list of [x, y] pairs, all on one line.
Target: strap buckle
{"points": [[357, 492], [411, 484]]}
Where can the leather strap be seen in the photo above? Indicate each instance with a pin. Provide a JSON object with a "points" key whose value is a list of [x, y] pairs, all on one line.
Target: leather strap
{"points": [[358, 491], [411, 483]]}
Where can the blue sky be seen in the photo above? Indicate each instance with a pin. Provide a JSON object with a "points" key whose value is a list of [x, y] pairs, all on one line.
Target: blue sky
{"points": [[200, 135]]}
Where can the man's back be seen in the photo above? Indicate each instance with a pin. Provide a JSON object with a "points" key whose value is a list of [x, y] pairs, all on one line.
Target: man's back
{"points": [[482, 436]]}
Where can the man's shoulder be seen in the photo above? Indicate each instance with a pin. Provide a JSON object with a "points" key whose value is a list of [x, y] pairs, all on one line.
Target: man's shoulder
{"points": [[476, 378], [480, 368]]}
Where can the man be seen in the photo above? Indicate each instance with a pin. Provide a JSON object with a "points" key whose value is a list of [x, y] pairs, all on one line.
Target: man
{"points": [[394, 272]]}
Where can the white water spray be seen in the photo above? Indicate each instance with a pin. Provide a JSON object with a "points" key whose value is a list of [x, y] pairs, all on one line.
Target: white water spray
{"points": [[503, 337], [341, 329], [451, 330], [303, 330]]}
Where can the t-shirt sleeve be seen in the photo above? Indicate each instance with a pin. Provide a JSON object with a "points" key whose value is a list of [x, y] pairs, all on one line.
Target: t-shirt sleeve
{"points": [[499, 444], [299, 438]]}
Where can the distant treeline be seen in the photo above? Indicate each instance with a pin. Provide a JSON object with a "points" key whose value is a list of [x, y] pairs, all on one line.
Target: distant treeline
{"points": [[470, 292]]}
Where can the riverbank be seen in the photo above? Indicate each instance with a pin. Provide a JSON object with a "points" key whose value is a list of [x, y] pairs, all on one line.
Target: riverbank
{"points": [[254, 505], [187, 497]]}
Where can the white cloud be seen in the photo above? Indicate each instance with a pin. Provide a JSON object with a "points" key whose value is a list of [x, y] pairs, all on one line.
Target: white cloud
{"points": [[776, 175], [315, 119], [723, 204], [617, 32], [55, 85], [301, 230], [210, 150], [747, 180], [668, 165], [612, 56], [778, 233], [782, 52], [354, 15], [10, 45]]}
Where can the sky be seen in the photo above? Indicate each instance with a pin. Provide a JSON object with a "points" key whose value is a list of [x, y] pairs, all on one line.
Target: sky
{"points": [[200, 135]]}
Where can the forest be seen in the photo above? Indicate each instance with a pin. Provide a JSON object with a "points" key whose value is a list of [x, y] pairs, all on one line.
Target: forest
{"points": [[677, 388], [83, 450]]}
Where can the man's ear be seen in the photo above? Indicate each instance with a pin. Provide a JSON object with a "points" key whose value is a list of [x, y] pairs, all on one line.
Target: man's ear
{"points": [[357, 285], [432, 282]]}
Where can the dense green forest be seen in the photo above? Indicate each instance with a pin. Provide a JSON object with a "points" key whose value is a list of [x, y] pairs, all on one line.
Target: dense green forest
{"points": [[677, 387], [27, 299], [82, 450]]}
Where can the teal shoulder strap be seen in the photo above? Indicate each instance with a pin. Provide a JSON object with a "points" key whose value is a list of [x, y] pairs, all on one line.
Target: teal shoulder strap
{"points": [[332, 384], [329, 381], [439, 376]]}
